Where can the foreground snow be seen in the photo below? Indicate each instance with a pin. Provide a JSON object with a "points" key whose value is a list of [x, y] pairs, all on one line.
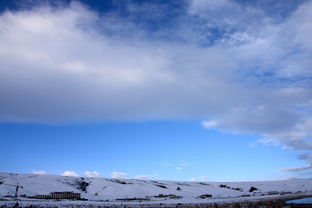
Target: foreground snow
{"points": [[131, 191]]}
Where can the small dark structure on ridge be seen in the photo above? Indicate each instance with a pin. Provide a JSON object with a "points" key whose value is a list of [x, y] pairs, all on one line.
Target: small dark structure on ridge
{"points": [[252, 189]]}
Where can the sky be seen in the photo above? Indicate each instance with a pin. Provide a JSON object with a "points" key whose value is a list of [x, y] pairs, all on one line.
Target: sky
{"points": [[194, 90]]}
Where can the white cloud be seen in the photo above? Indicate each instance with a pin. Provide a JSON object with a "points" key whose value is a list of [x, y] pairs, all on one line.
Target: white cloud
{"points": [[154, 75], [40, 172], [92, 174], [193, 179], [116, 174], [70, 173], [178, 168]]}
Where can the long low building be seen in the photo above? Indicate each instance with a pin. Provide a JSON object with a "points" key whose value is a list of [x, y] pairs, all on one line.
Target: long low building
{"points": [[59, 195]]}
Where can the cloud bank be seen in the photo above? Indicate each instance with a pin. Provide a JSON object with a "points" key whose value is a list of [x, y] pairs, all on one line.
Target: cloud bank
{"points": [[235, 66]]}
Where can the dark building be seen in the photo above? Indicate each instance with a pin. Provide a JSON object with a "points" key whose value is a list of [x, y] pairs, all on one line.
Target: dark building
{"points": [[65, 195], [59, 195]]}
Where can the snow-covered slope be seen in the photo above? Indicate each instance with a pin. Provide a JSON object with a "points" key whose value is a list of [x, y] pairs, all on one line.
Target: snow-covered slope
{"points": [[108, 189]]}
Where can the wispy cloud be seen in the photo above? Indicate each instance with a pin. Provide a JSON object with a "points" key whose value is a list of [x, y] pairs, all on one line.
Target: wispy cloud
{"points": [[307, 157], [70, 173], [180, 165], [184, 164], [116, 174], [40, 172], [294, 169], [92, 174]]}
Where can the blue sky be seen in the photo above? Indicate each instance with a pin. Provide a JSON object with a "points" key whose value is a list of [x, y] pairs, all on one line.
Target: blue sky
{"points": [[164, 150], [177, 90]]}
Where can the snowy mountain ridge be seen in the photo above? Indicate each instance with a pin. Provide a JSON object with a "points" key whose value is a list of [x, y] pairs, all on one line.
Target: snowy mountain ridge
{"points": [[110, 189]]}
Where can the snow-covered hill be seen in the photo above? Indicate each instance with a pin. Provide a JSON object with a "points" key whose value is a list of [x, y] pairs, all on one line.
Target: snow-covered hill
{"points": [[116, 190]]}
